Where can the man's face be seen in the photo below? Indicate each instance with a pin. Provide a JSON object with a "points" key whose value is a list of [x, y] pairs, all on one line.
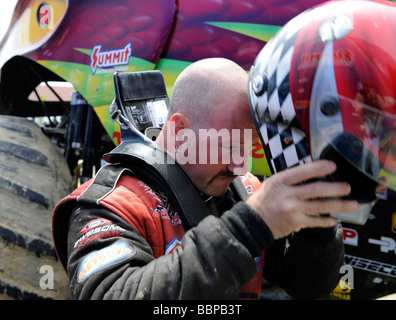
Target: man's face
{"points": [[213, 155]]}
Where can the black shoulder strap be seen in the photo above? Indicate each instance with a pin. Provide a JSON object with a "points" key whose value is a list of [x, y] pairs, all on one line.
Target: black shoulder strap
{"points": [[152, 165], [239, 189]]}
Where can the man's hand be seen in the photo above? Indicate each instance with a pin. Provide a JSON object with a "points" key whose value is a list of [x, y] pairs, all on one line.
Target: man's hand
{"points": [[286, 205]]}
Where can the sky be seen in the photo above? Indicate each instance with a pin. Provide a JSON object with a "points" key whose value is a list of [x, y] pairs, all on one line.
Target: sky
{"points": [[6, 10]]}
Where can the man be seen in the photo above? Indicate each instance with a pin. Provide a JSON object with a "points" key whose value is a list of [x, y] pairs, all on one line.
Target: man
{"points": [[132, 244]]}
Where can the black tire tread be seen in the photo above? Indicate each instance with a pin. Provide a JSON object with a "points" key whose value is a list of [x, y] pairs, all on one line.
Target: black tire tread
{"points": [[33, 177]]}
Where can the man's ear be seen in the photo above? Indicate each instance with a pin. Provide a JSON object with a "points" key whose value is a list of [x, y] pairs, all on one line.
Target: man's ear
{"points": [[179, 122], [176, 125]]}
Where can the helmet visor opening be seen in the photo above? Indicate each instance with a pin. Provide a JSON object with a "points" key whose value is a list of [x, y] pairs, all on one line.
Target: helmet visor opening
{"points": [[365, 136]]}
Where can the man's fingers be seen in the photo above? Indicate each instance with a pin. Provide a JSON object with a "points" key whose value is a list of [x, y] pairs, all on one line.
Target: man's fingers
{"points": [[330, 206], [312, 218], [286, 204], [307, 171], [321, 189], [319, 222]]}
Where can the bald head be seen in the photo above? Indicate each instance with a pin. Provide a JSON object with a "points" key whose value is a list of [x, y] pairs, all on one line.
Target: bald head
{"points": [[203, 85]]}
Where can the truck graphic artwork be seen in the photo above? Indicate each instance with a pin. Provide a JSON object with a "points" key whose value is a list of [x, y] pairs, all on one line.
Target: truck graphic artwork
{"points": [[111, 58]]}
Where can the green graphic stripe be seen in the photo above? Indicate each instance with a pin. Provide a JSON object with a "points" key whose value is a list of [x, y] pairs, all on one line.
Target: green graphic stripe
{"points": [[258, 31], [98, 88]]}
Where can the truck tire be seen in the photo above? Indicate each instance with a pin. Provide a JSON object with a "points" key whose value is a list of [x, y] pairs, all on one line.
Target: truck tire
{"points": [[34, 176]]}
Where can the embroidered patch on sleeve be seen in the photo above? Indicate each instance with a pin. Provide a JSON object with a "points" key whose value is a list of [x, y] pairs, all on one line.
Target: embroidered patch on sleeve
{"points": [[94, 224], [98, 260]]}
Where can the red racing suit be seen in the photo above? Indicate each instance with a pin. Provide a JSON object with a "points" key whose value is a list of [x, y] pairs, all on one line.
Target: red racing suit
{"points": [[131, 244]]}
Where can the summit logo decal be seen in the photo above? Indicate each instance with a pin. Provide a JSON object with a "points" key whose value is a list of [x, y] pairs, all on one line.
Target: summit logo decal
{"points": [[110, 58]]}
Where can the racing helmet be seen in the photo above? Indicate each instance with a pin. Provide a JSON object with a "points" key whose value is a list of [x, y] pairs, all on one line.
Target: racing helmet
{"points": [[324, 87]]}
